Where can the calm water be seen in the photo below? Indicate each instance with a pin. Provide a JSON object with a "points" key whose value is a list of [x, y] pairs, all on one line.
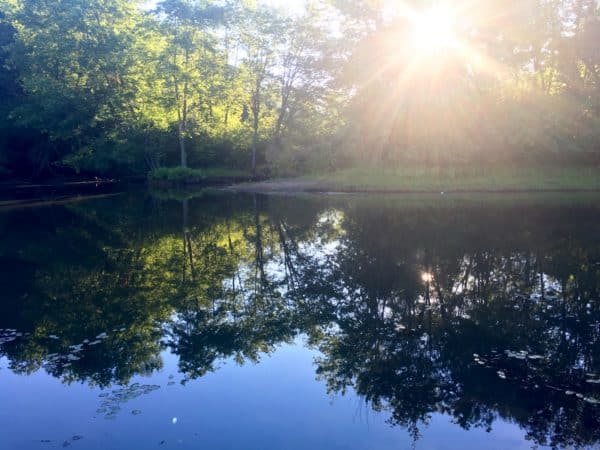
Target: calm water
{"points": [[334, 322]]}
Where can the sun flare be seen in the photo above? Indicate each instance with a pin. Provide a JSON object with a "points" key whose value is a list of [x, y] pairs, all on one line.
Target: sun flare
{"points": [[434, 30]]}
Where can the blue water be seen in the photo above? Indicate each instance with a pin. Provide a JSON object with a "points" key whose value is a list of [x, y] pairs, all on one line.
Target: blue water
{"points": [[240, 322], [276, 404]]}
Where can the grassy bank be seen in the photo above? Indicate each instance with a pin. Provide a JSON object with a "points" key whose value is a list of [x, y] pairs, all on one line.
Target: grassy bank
{"points": [[419, 179], [499, 179]]}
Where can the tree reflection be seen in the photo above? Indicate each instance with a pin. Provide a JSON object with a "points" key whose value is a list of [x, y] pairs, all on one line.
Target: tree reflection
{"points": [[423, 326], [419, 308]]}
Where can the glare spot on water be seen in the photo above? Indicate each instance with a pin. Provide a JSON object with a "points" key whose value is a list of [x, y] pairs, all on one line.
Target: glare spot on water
{"points": [[174, 420]]}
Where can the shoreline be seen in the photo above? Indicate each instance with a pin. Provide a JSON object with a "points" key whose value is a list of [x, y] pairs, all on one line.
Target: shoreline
{"points": [[290, 186], [57, 189]]}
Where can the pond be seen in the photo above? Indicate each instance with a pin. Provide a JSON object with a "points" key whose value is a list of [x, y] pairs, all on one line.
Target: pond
{"points": [[224, 321]]}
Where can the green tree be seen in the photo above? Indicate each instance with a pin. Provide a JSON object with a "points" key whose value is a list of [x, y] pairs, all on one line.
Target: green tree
{"points": [[261, 30], [189, 50], [73, 58]]}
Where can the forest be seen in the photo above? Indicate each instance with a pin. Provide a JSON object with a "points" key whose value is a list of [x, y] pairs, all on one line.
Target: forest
{"points": [[123, 87]]}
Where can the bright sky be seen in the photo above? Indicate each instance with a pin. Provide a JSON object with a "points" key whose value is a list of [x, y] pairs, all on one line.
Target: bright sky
{"points": [[434, 30]]}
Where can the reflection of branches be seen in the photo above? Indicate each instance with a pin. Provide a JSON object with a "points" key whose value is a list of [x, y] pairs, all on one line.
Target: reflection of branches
{"points": [[259, 275], [187, 241], [287, 249], [398, 320], [415, 358]]}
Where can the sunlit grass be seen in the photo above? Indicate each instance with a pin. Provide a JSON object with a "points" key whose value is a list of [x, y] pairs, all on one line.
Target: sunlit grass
{"points": [[428, 179]]}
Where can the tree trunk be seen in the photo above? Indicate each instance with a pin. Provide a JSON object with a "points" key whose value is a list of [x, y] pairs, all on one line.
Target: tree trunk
{"points": [[254, 146], [182, 145], [255, 123], [181, 125]]}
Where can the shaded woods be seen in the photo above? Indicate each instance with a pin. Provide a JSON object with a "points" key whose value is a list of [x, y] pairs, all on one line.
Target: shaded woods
{"points": [[119, 87]]}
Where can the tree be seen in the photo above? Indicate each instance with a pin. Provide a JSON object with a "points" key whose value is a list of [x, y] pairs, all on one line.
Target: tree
{"points": [[189, 49], [73, 58], [261, 30]]}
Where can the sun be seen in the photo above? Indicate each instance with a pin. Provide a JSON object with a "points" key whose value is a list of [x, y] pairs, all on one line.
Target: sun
{"points": [[434, 30]]}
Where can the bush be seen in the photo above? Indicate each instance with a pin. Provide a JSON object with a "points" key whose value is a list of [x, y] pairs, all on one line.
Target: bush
{"points": [[175, 174], [189, 175]]}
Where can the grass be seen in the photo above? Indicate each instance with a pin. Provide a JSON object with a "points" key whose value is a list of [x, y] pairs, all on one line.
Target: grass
{"points": [[189, 175], [430, 180]]}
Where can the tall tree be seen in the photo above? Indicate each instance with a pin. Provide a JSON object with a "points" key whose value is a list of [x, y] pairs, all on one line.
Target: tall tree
{"points": [[188, 43], [261, 31]]}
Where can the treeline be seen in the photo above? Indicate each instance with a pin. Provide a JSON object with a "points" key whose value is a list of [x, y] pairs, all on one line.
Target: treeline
{"points": [[108, 86], [121, 87]]}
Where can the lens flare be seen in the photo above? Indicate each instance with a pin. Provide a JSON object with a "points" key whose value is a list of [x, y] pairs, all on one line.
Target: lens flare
{"points": [[434, 30]]}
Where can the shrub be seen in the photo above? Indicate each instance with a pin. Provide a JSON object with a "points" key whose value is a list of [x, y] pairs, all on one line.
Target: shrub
{"points": [[175, 174], [189, 175]]}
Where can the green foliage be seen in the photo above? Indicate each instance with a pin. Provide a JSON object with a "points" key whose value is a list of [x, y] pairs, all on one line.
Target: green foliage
{"points": [[176, 174], [188, 175], [109, 87]]}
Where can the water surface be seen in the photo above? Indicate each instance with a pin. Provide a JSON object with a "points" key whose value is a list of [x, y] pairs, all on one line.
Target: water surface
{"points": [[315, 322]]}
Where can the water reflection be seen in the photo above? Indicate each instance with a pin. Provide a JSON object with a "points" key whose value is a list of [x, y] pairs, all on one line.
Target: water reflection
{"points": [[475, 310]]}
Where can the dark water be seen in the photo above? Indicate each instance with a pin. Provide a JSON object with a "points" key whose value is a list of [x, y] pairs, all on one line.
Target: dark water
{"points": [[241, 322]]}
